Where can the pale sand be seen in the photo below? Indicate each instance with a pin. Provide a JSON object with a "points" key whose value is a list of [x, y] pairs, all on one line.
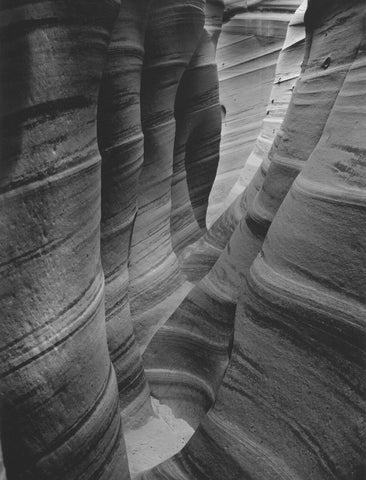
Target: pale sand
{"points": [[160, 438]]}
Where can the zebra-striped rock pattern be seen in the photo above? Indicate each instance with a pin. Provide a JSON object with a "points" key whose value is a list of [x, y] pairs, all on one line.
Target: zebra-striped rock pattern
{"points": [[61, 417], [247, 55], [121, 144], [191, 350], [172, 35], [200, 257], [291, 404], [197, 139]]}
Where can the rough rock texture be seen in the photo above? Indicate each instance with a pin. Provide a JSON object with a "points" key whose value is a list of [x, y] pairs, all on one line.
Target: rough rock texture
{"points": [[61, 416], [173, 32], [291, 404], [121, 144]]}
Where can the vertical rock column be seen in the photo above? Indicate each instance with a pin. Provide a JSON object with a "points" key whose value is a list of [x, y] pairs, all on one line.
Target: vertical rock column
{"points": [[203, 145], [173, 32], [61, 416], [197, 142], [121, 143]]}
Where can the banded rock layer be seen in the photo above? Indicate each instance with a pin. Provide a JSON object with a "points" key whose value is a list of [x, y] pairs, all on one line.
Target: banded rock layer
{"points": [[265, 357], [196, 150], [190, 352], [200, 257], [121, 143], [60, 409], [247, 55], [291, 404], [172, 35]]}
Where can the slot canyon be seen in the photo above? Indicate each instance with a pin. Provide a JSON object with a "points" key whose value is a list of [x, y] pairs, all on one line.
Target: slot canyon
{"points": [[183, 240]]}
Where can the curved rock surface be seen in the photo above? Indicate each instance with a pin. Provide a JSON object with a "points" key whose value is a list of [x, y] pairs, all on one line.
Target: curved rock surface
{"points": [[265, 356], [197, 140], [121, 144], [247, 55], [199, 258], [172, 35], [291, 402], [60, 415], [190, 352]]}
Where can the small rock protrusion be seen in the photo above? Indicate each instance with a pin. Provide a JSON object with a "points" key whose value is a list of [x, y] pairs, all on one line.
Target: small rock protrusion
{"points": [[326, 63]]}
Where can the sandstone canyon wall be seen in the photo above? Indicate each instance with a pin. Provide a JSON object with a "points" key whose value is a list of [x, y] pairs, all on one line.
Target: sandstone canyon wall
{"points": [[121, 143], [251, 39], [173, 32], [291, 402], [60, 412], [110, 145]]}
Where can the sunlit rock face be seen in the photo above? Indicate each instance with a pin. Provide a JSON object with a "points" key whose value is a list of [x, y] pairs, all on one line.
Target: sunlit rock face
{"points": [[60, 411], [247, 54], [200, 257], [291, 403]]}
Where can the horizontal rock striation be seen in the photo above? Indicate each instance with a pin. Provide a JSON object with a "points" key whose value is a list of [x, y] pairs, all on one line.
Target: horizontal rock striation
{"points": [[265, 357], [121, 144], [172, 35], [288, 69], [191, 350], [60, 412], [291, 404], [247, 55], [199, 258], [197, 141]]}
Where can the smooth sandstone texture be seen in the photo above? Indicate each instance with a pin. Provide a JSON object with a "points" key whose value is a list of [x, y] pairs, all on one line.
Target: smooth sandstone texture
{"points": [[60, 411], [121, 143], [247, 55], [199, 258], [187, 358], [288, 69], [291, 404], [173, 32], [198, 128]]}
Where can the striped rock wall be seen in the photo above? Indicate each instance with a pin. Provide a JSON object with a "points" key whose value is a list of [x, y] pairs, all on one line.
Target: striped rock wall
{"points": [[198, 127], [291, 403], [173, 32], [251, 40], [199, 257], [121, 143], [60, 412], [265, 357], [187, 357]]}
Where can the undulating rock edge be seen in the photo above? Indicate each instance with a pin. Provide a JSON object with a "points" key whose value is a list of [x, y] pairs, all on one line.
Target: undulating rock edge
{"points": [[60, 409], [135, 343], [292, 400]]}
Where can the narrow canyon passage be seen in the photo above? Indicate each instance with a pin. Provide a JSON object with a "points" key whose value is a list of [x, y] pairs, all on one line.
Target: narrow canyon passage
{"points": [[183, 240]]}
